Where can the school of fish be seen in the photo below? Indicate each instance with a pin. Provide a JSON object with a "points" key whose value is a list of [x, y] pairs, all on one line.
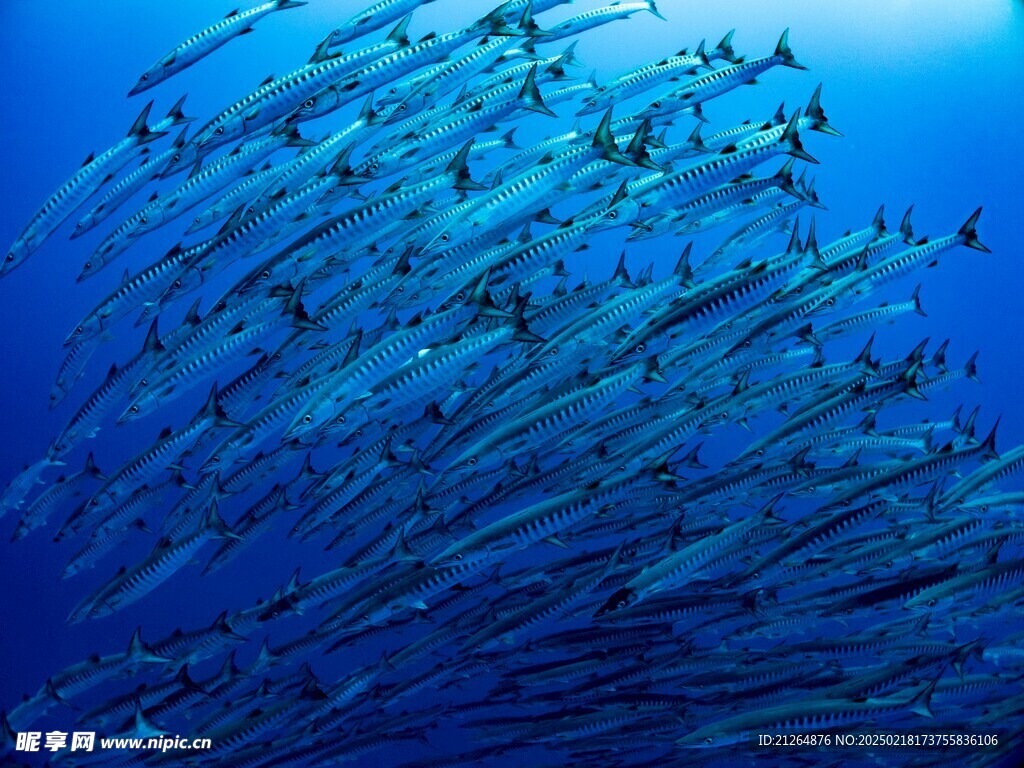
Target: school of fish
{"points": [[584, 518]]}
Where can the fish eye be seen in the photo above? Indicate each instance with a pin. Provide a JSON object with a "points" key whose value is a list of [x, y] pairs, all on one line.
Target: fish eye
{"points": [[265, 274], [445, 238], [134, 409], [457, 556], [402, 107], [175, 159], [472, 462], [176, 284], [656, 105], [78, 330], [830, 302], [400, 289], [708, 740], [746, 344], [307, 419], [460, 296], [983, 508], [143, 383], [341, 420], [640, 347], [759, 452], [613, 215], [374, 166], [215, 459], [143, 220], [931, 602], [848, 611], [888, 563], [219, 130], [554, 351], [10, 257], [88, 264], [308, 103], [620, 604], [78, 225], [144, 78], [364, 617], [591, 103], [392, 91]]}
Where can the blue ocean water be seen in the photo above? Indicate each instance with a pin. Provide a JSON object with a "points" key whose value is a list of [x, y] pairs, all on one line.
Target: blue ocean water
{"points": [[928, 94]]}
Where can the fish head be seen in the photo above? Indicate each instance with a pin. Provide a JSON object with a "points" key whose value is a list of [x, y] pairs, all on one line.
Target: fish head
{"points": [[827, 303], [598, 102], [620, 599], [149, 78], [277, 609], [58, 393], [146, 220], [264, 278], [187, 281], [377, 165], [645, 229], [143, 404], [709, 737], [341, 425], [638, 346], [624, 213], [453, 235], [226, 455], [95, 262], [412, 104], [409, 292], [183, 158], [84, 224], [930, 600], [88, 328], [746, 344], [61, 444], [16, 254], [695, 226], [317, 105], [393, 95], [311, 418], [218, 133], [373, 616], [462, 556], [345, 33], [202, 221], [478, 459], [660, 108]]}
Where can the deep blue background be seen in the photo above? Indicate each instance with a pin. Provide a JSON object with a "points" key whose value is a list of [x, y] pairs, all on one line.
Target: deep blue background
{"points": [[928, 92]]}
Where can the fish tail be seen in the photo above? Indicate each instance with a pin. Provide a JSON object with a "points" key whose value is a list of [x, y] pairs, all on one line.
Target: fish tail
{"points": [[791, 140], [970, 234], [782, 50], [530, 95], [654, 9]]}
